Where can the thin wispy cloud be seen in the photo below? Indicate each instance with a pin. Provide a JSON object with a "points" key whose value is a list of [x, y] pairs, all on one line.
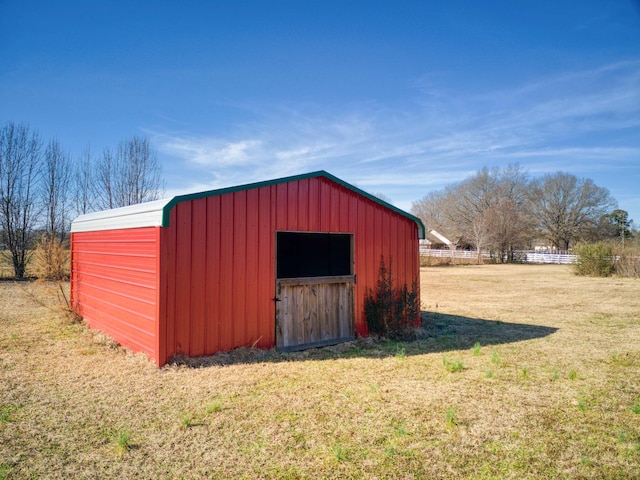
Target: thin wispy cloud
{"points": [[538, 123], [208, 151]]}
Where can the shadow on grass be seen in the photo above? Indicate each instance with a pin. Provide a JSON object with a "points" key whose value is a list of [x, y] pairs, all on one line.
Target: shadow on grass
{"points": [[455, 332], [439, 333]]}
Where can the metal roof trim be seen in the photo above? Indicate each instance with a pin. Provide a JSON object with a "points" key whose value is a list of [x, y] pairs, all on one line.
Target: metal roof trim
{"points": [[148, 214]]}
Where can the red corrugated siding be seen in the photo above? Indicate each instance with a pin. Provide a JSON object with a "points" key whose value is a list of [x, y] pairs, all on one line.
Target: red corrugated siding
{"points": [[114, 284], [218, 259]]}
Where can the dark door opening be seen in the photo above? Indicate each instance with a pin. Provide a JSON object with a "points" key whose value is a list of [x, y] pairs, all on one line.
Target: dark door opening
{"points": [[313, 254]]}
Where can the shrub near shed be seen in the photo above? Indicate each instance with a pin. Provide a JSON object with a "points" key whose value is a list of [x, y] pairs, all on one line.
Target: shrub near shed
{"points": [[391, 311]]}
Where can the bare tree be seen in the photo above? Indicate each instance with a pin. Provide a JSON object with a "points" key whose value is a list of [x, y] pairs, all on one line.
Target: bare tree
{"points": [[567, 207], [466, 206], [509, 228], [83, 183], [479, 233], [430, 209], [481, 206], [19, 158], [56, 194], [128, 175]]}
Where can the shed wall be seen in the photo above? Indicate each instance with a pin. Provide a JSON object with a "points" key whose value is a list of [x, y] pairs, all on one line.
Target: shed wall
{"points": [[218, 259], [114, 284]]}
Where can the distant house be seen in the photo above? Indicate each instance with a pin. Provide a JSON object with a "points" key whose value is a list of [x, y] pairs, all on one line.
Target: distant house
{"points": [[283, 263], [436, 240]]}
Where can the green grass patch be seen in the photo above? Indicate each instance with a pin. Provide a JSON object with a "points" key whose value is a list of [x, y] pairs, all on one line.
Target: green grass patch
{"points": [[451, 418], [7, 412], [496, 357], [452, 366], [121, 439], [400, 428], [213, 407], [5, 471], [188, 420], [340, 453]]}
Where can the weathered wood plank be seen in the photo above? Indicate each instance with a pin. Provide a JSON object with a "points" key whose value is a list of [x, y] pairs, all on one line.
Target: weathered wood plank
{"points": [[299, 321], [337, 306], [279, 319]]}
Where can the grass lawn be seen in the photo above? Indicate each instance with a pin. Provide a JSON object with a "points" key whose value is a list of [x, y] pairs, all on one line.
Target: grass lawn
{"points": [[524, 372]]}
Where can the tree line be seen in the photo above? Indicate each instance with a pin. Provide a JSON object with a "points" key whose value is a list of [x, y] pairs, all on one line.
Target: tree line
{"points": [[42, 188], [505, 210]]}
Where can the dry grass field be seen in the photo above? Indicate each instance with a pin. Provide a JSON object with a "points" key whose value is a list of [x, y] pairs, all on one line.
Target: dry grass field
{"points": [[522, 372]]}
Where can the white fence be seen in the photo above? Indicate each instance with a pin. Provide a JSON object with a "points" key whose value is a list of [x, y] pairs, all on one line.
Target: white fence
{"points": [[533, 257], [429, 252], [527, 257]]}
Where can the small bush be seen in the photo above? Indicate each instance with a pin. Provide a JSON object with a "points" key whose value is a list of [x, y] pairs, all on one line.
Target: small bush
{"points": [[391, 311], [594, 259], [51, 259]]}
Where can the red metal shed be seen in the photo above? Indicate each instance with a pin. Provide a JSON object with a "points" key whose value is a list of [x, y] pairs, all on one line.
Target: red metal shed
{"points": [[282, 263]]}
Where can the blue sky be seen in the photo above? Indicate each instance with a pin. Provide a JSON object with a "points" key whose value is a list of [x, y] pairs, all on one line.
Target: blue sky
{"points": [[397, 97]]}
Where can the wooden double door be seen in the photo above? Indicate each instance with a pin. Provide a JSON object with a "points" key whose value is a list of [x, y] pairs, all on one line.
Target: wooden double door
{"points": [[314, 311]]}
